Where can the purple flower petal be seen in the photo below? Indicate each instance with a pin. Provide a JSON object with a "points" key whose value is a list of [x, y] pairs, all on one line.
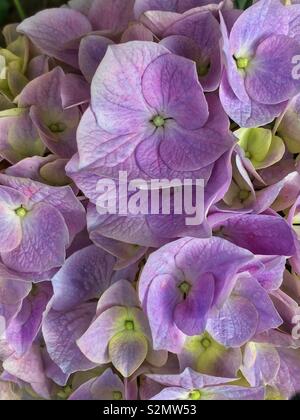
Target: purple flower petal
{"points": [[106, 387], [261, 364], [102, 330], [179, 89], [111, 15], [19, 138], [250, 289], [85, 275], [52, 30], [275, 52], [91, 52], [44, 240], [61, 330], [235, 323], [191, 315], [29, 368], [10, 223], [128, 351], [25, 327]]}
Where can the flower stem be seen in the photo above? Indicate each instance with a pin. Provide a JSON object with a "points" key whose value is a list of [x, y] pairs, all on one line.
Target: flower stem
{"points": [[20, 9]]}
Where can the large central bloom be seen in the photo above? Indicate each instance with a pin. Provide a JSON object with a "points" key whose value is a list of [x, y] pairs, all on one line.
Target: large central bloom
{"points": [[150, 118], [148, 106]]}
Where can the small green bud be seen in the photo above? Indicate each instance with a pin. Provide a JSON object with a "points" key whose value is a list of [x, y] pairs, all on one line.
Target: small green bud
{"points": [[185, 288], [57, 128], [117, 395], [195, 395], [129, 325], [203, 69], [244, 195], [158, 121], [242, 63], [21, 212], [206, 343]]}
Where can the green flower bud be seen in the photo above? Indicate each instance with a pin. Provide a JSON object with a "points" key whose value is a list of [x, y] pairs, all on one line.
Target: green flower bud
{"points": [[13, 65], [261, 147]]}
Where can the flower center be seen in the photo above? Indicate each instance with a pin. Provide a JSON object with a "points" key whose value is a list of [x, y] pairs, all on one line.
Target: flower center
{"points": [[158, 121], [195, 395], [129, 325], [203, 69], [185, 288], [206, 343], [242, 63], [57, 127], [244, 195], [65, 393], [117, 396], [21, 212]]}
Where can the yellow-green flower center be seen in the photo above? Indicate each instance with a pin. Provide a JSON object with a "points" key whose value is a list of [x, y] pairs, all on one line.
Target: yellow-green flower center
{"points": [[203, 69], [242, 63], [158, 121], [185, 288], [244, 195], [129, 325], [117, 395], [65, 393], [206, 343], [195, 395], [59, 127], [21, 212]]}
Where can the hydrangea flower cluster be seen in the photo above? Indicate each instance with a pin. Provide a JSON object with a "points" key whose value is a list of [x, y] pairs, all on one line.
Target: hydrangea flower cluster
{"points": [[140, 306]]}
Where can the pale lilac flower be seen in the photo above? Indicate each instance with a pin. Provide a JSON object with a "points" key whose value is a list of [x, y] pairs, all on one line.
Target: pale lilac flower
{"points": [[194, 386], [107, 386], [39, 223], [183, 281], [123, 329], [259, 53]]}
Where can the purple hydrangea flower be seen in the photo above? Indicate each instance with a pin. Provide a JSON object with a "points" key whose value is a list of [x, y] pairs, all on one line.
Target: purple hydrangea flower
{"points": [[259, 52], [182, 281], [204, 355], [273, 360], [195, 35], [166, 129], [72, 309], [49, 99], [192, 285], [194, 386], [123, 330], [107, 386], [29, 369], [154, 111], [19, 138], [38, 223]]}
